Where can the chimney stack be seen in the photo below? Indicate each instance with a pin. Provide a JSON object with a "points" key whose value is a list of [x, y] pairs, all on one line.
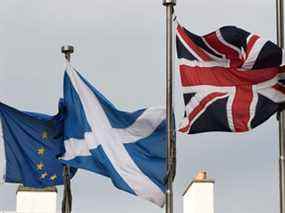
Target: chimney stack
{"points": [[31, 200], [199, 195]]}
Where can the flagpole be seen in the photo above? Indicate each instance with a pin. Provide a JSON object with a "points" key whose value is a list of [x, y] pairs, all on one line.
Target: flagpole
{"points": [[280, 42], [169, 5], [67, 196]]}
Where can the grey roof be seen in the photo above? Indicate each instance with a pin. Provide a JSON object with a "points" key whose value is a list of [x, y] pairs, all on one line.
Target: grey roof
{"points": [[197, 181], [22, 188]]}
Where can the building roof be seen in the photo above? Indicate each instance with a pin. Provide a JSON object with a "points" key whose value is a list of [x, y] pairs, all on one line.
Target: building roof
{"points": [[22, 188], [197, 181]]}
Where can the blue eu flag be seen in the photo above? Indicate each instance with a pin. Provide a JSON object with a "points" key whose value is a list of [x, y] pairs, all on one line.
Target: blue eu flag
{"points": [[31, 144]]}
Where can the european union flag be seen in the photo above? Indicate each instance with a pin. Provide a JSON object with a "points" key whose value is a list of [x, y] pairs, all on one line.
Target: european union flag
{"points": [[31, 144]]}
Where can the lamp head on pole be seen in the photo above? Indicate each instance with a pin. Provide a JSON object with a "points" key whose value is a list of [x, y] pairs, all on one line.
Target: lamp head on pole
{"points": [[169, 2], [67, 51]]}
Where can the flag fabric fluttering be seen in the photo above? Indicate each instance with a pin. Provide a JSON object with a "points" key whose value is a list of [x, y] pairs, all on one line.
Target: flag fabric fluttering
{"points": [[232, 80], [129, 148], [30, 144]]}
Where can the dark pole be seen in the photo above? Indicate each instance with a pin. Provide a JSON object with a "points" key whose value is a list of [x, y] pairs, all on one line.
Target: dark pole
{"points": [[280, 42], [169, 5], [67, 196]]}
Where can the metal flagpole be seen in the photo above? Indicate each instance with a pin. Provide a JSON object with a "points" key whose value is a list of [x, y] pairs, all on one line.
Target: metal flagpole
{"points": [[280, 42], [67, 196], [169, 5]]}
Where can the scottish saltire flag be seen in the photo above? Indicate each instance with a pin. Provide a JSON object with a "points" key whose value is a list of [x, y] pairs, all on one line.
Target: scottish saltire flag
{"points": [[30, 144], [129, 148], [232, 80]]}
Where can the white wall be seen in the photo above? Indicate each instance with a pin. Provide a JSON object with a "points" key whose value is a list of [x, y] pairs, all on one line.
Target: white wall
{"points": [[36, 202], [6, 211], [199, 198]]}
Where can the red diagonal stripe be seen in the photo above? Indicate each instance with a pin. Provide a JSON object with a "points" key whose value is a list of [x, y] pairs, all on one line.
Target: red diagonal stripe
{"points": [[220, 76], [251, 44], [241, 108], [192, 45], [279, 88], [231, 54], [192, 115]]}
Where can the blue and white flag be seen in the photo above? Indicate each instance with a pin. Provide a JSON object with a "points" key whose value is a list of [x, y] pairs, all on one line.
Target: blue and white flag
{"points": [[30, 145], [130, 148]]}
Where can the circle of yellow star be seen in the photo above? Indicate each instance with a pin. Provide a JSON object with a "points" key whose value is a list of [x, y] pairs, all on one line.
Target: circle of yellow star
{"points": [[40, 166], [53, 177], [45, 135], [44, 175], [41, 151]]}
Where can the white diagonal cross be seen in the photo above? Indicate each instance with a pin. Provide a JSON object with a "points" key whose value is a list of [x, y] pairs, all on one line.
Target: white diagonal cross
{"points": [[112, 140]]}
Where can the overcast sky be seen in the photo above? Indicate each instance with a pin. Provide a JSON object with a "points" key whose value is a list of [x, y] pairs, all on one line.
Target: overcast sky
{"points": [[119, 46]]}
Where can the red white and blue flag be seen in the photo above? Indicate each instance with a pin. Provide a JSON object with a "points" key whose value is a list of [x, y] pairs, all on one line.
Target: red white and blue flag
{"points": [[232, 80]]}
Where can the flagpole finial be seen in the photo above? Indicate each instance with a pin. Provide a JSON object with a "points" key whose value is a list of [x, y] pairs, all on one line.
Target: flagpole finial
{"points": [[169, 2], [67, 50]]}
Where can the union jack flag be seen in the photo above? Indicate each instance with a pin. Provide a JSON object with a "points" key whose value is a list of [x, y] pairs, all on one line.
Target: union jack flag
{"points": [[232, 80]]}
